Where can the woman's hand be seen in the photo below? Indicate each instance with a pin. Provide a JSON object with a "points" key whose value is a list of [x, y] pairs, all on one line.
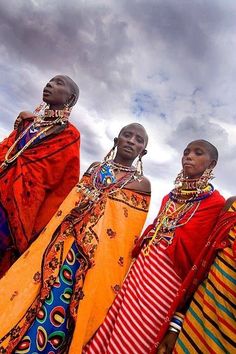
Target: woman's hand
{"points": [[21, 117], [168, 343]]}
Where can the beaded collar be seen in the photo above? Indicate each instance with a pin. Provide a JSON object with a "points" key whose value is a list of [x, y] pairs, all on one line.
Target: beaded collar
{"points": [[61, 117], [181, 202], [191, 195]]}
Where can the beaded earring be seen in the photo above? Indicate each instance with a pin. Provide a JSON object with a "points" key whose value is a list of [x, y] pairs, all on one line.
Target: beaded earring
{"points": [[111, 154], [205, 178], [139, 166], [179, 179], [66, 110], [39, 111]]}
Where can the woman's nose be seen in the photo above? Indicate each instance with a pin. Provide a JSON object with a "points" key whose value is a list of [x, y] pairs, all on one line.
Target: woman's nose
{"points": [[49, 84], [189, 156], [131, 140]]}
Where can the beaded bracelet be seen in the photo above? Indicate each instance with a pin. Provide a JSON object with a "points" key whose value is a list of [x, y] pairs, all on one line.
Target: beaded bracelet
{"points": [[176, 322], [176, 326], [172, 329]]}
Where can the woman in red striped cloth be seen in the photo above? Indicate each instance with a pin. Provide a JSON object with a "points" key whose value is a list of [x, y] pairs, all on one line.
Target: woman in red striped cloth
{"points": [[167, 255], [210, 323]]}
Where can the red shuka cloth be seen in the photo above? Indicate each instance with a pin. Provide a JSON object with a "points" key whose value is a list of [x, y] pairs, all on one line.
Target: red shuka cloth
{"points": [[34, 186], [203, 250]]}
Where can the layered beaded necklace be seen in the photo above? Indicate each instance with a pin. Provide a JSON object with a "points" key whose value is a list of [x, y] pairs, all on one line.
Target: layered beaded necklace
{"points": [[104, 175], [103, 178], [181, 201], [40, 120]]}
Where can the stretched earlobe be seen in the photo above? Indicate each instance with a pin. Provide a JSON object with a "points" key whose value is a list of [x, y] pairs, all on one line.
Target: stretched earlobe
{"points": [[144, 152], [212, 164], [71, 100]]}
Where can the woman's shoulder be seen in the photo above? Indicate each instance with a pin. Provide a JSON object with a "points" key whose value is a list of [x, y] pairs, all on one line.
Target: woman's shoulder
{"points": [[73, 129], [218, 198], [91, 167], [142, 185]]}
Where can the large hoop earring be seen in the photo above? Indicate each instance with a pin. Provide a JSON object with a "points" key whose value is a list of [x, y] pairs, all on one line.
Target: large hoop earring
{"points": [[205, 178], [111, 154], [139, 166], [179, 179], [67, 110]]}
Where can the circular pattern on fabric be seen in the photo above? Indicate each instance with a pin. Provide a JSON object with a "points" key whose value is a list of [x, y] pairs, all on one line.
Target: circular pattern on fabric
{"points": [[50, 298], [24, 346], [71, 257], [57, 316], [66, 295], [41, 338], [42, 315], [66, 275], [57, 283], [56, 339]]}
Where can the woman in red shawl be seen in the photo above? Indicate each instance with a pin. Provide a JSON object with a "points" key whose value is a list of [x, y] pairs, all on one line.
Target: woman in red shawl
{"points": [[166, 254], [39, 165]]}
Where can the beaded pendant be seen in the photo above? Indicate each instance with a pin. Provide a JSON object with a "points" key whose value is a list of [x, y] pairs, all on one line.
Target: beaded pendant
{"points": [[106, 175]]}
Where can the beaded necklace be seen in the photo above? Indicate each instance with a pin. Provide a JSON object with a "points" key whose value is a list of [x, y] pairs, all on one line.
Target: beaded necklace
{"points": [[180, 202], [39, 121], [187, 195], [103, 177]]}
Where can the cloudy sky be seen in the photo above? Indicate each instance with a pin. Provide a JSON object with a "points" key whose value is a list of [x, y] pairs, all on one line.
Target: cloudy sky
{"points": [[167, 64]]}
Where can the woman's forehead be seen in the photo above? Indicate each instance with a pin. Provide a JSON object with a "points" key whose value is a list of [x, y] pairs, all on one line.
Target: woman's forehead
{"points": [[197, 144], [59, 77], [134, 128]]}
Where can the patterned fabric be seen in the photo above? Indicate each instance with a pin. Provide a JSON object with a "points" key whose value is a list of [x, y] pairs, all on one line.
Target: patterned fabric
{"points": [[7, 247], [104, 246], [210, 323], [52, 328], [5, 237], [42, 175], [143, 300], [140, 307]]}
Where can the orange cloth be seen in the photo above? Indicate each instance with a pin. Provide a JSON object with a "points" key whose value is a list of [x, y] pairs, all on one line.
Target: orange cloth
{"points": [[32, 188], [105, 234]]}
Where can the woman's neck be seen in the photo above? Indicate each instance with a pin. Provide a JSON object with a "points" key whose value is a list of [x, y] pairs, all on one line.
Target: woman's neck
{"points": [[122, 162]]}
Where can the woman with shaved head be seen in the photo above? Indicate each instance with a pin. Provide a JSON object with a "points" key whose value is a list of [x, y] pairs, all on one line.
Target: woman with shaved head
{"points": [[39, 165], [70, 275]]}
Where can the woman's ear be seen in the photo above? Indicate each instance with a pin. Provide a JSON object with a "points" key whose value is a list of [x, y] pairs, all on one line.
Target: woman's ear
{"points": [[115, 141], [71, 100], [144, 152], [212, 164]]}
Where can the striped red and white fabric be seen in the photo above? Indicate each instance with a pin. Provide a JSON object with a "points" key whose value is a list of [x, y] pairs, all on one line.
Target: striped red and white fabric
{"points": [[140, 308]]}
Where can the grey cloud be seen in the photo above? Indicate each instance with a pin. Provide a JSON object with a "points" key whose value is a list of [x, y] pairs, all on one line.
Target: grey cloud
{"points": [[193, 128], [91, 145]]}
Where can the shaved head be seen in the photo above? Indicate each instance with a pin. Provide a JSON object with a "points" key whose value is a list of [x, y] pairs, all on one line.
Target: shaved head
{"points": [[126, 127], [213, 152]]}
